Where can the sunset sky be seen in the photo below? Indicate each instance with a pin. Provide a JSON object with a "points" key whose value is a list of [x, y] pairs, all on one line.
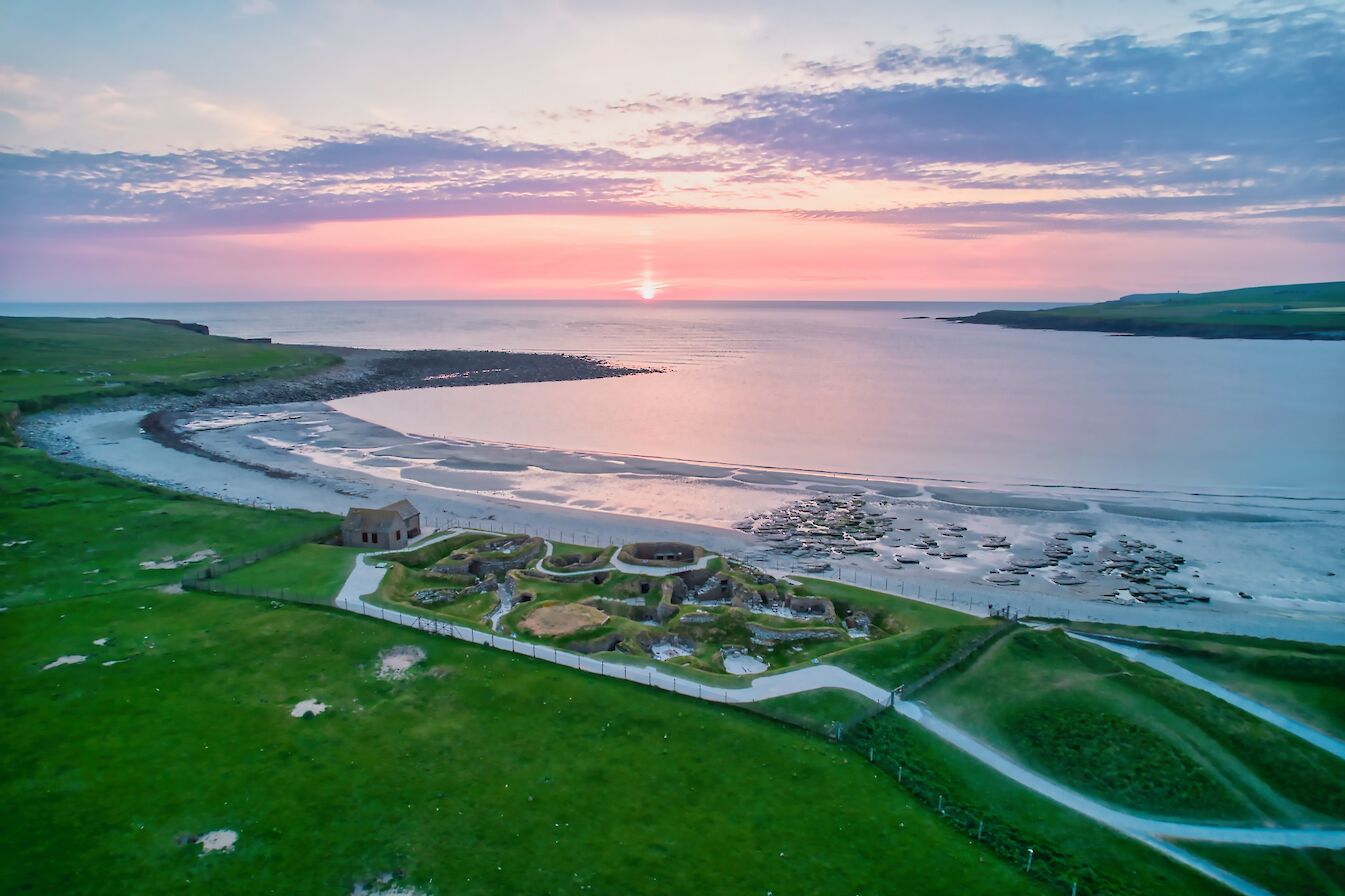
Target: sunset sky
{"points": [[360, 149]]}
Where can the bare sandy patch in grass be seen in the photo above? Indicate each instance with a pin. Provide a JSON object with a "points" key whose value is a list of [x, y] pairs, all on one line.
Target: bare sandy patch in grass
{"points": [[169, 563], [65, 661], [218, 841], [562, 619], [310, 707], [386, 885], [396, 662]]}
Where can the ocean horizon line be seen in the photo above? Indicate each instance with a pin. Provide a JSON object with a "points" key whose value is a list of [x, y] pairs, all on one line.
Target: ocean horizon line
{"points": [[835, 303]]}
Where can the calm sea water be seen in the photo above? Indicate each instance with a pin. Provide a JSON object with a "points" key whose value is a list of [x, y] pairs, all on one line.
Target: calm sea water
{"points": [[856, 388]]}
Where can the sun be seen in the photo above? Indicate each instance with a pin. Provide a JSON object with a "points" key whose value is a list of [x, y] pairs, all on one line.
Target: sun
{"points": [[647, 288]]}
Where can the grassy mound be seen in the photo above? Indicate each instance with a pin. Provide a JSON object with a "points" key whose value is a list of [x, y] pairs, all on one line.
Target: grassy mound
{"points": [[428, 555], [1135, 738], [1009, 819], [1282, 871], [1102, 752], [1303, 681], [927, 636]]}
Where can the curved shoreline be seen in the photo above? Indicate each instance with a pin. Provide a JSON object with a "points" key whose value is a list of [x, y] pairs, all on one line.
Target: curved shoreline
{"points": [[370, 371], [971, 488], [253, 442], [329, 461]]}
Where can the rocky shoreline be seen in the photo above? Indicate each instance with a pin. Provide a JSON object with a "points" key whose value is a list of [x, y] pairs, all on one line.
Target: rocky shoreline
{"points": [[1138, 326], [360, 371], [814, 532]]}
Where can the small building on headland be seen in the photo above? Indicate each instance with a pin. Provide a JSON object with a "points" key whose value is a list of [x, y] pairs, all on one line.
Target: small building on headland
{"points": [[387, 527]]}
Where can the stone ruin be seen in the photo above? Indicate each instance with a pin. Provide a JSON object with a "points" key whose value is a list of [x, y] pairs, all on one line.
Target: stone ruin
{"points": [[654, 553]]}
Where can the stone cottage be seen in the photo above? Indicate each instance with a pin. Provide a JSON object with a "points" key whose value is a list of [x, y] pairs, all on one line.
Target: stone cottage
{"points": [[385, 527]]}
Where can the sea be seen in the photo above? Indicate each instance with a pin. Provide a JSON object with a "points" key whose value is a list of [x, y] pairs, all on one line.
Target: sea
{"points": [[876, 388]]}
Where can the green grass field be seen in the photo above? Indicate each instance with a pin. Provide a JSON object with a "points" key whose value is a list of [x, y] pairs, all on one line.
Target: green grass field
{"points": [[1136, 738], [73, 530], [1291, 311], [50, 361], [1284, 872], [488, 771], [309, 570]]}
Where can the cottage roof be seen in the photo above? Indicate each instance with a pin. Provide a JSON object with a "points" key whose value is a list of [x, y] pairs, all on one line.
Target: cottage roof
{"points": [[368, 518], [403, 507], [383, 518]]}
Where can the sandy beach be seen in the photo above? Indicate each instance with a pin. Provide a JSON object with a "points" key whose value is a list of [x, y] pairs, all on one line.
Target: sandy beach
{"points": [[307, 455]]}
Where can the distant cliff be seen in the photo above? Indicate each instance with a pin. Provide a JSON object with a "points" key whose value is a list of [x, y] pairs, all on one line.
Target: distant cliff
{"points": [[169, 322], [1297, 311]]}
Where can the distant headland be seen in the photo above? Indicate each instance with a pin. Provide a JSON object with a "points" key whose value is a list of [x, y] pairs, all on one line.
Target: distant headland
{"points": [[1297, 311]]}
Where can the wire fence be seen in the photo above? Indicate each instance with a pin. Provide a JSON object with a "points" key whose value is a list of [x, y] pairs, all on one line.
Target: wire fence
{"points": [[490, 524], [611, 668], [224, 586], [811, 721], [881, 740], [208, 578]]}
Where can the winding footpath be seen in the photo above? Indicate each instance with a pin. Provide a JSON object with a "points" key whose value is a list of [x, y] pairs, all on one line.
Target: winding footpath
{"points": [[365, 578]]}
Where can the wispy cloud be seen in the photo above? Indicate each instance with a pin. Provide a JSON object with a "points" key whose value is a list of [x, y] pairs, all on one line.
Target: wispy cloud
{"points": [[1242, 112], [1240, 119]]}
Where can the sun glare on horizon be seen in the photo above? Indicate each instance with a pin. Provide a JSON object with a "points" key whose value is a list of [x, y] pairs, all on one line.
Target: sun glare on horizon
{"points": [[649, 288]]}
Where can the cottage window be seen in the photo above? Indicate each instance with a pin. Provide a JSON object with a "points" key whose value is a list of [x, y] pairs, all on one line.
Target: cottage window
{"points": [[397, 536], [364, 536], [375, 538]]}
